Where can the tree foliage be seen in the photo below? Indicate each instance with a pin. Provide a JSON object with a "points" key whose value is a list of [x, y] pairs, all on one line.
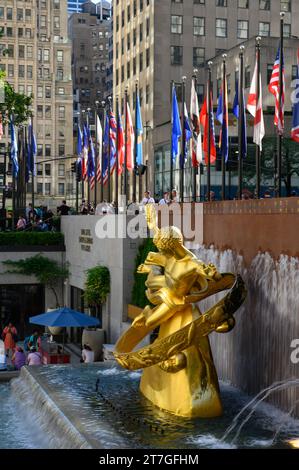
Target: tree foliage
{"points": [[46, 271], [97, 286], [16, 103], [138, 294]]}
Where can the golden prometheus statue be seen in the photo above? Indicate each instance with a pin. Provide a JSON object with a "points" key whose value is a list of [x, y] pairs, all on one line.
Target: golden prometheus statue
{"points": [[179, 373]]}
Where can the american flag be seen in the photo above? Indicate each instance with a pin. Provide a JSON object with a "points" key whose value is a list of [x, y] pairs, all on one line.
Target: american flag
{"points": [[99, 145], [274, 88], [111, 127]]}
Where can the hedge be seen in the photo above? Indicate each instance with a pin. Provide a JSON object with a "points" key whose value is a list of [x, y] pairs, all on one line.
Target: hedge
{"points": [[138, 294], [31, 238]]}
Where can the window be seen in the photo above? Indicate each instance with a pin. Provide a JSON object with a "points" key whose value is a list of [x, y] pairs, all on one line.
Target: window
{"points": [[39, 169], [147, 94], [285, 5], [243, 29], [176, 54], [20, 14], [61, 169], [29, 71], [46, 55], [61, 112], [247, 76], [148, 57], [61, 189], [141, 32], [61, 150], [39, 188], [1, 13], [264, 29], [59, 56], [48, 112], [10, 50], [265, 5], [198, 56], [21, 89], [200, 92], [286, 30], [56, 22], [21, 71], [47, 165], [140, 62], [47, 189], [39, 150], [9, 32], [40, 91], [60, 91], [29, 52], [48, 92], [198, 26], [243, 3], [221, 28], [221, 3], [42, 21], [147, 26], [9, 13], [176, 24], [21, 52], [10, 72], [28, 14]]}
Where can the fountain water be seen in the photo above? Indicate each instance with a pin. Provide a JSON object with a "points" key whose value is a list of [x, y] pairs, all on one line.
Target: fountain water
{"points": [[257, 352]]}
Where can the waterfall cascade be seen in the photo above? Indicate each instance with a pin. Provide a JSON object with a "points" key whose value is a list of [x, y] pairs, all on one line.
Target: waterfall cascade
{"points": [[258, 351]]}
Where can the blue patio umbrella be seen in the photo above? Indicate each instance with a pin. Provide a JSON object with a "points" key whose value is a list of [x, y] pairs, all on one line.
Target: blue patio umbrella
{"points": [[64, 317]]}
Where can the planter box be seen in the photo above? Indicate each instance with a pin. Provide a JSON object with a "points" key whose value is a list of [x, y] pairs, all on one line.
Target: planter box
{"points": [[134, 311]]}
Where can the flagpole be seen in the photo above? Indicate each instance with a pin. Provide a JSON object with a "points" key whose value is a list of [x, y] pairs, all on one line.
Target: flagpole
{"points": [[209, 104], [257, 148], [136, 144], [182, 169], [241, 122], [223, 162], [126, 150], [96, 162], [117, 157], [280, 107], [195, 169], [102, 153], [171, 157]]}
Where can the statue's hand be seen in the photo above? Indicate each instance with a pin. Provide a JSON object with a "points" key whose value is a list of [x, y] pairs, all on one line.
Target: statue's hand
{"points": [[143, 269], [139, 321]]}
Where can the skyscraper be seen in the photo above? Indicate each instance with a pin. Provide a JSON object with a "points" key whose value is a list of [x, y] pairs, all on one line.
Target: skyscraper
{"points": [[74, 6]]}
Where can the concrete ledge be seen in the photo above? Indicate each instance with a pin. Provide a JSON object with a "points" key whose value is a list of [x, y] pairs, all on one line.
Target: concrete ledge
{"points": [[7, 375], [31, 248]]}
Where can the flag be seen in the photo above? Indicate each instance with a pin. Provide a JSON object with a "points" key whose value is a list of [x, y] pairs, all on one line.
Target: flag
{"points": [[99, 143], [85, 152], [187, 136], [222, 117], [130, 140], [121, 143], [113, 134], [274, 88], [14, 148], [204, 120], [176, 126], [139, 133], [195, 124], [236, 111], [91, 156], [27, 156], [106, 150], [1, 126], [32, 148], [80, 150], [295, 125], [256, 109]]}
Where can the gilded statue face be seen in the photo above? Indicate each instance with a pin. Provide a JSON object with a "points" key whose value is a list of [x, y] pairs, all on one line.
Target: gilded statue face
{"points": [[168, 239]]}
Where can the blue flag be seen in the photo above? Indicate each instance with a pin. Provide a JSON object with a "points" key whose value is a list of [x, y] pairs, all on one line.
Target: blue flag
{"points": [[106, 149], [236, 110], [139, 133], [187, 136], [14, 148], [32, 149], [91, 155], [176, 126], [222, 117]]}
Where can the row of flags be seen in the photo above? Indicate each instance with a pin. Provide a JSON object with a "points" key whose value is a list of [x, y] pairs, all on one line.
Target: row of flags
{"points": [[110, 143], [199, 145]]}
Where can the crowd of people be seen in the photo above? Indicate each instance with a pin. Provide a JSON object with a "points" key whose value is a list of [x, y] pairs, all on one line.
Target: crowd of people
{"points": [[29, 354]]}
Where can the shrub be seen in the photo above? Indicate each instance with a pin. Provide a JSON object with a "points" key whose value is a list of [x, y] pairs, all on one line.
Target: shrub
{"points": [[138, 294], [97, 286], [31, 238]]}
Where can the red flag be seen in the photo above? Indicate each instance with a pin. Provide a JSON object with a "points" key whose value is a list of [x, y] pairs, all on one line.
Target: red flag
{"points": [[274, 88], [204, 120], [121, 144], [130, 140], [256, 108], [195, 122]]}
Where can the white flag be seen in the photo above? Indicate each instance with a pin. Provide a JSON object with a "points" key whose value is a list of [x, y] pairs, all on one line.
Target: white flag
{"points": [[195, 123], [256, 109]]}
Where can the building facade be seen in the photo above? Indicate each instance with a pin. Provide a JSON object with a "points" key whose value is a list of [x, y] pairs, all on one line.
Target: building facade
{"points": [[38, 63], [74, 6], [160, 42], [90, 33]]}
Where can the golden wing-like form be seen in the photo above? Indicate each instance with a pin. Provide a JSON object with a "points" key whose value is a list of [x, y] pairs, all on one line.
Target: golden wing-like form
{"points": [[151, 217]]}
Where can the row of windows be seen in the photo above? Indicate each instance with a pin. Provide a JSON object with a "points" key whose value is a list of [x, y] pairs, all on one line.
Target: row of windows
{"points": [[285, 5], [46, 111], [176, 27], [142, 64], [135, 7], [45, 169], [43, 4], [147, 27], [42, 188], [22, 32], [21, 14]]}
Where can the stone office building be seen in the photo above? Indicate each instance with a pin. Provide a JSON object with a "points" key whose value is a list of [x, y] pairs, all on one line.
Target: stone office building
{"points": [[157, 42], [38, 63]]}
